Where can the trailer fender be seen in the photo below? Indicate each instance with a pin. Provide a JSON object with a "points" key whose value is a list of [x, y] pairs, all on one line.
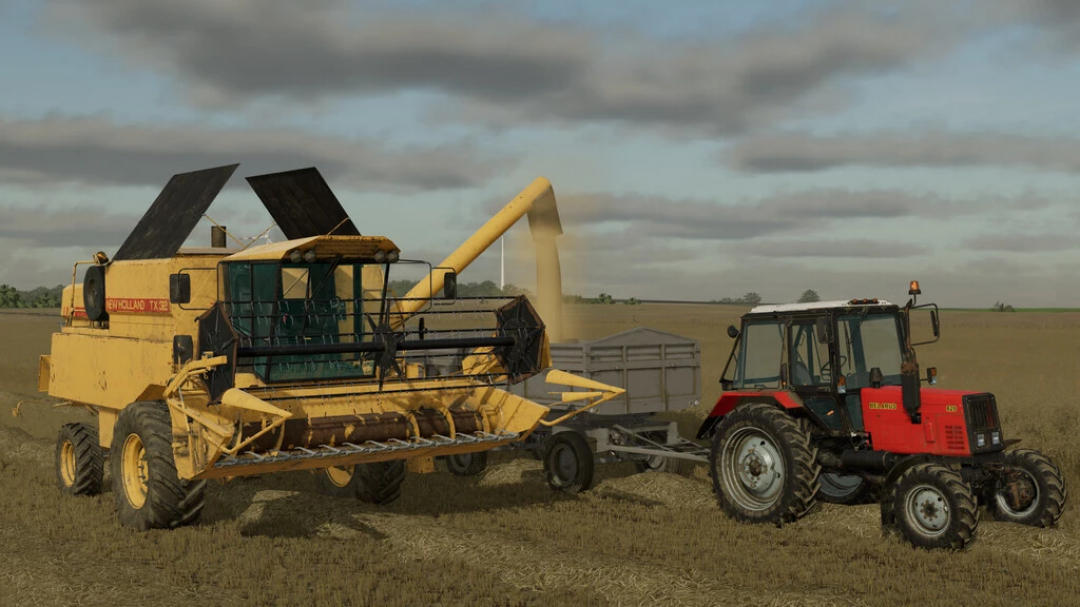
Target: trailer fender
{"points": [[729, 400]]}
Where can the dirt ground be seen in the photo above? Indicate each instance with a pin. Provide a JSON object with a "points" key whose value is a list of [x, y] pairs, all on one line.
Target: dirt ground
{"points": [[505, 539]]}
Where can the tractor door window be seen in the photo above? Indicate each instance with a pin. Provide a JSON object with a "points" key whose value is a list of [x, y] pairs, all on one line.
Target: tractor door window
{"points": [[761, 352], [809, 357], [866, 342]]}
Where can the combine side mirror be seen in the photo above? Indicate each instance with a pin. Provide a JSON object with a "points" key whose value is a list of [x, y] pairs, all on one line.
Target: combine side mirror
{"points": [[732, 332], [179, 288], [934, 323], [876, 377], [450, 285], [823, 330]]}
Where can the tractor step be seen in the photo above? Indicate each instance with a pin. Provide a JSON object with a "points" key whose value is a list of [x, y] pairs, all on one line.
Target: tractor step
{"points": [[366, 448]]}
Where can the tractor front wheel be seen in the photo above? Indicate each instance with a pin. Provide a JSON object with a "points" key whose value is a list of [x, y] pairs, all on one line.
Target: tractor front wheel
{"points": [[80, 464], [1029, 491], [763, 465], [932, 507], [149, 493]]}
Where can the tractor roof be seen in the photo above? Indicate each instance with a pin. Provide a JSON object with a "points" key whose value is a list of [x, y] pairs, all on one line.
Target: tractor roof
{"points": [[819, 305], [362, 247]]}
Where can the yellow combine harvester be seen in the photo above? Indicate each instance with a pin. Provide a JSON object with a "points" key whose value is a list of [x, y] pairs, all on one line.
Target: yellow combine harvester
{"points": [[217, 362]]}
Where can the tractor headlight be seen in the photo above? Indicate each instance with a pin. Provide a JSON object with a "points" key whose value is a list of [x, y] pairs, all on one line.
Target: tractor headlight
{"points": [[980, 440], [294, 256], [380, 256], [995, 437]]}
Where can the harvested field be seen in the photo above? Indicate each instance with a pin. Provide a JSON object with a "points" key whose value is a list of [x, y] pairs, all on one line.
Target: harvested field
{"points": [[504, 538]]}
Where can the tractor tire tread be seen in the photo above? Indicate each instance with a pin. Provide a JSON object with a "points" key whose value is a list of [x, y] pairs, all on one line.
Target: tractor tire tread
{"points": [[795, 433], [1054, 483]]}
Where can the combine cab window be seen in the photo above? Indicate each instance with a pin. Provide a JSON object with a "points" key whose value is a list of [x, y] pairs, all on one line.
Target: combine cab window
{"points": [[304, 304], [866, 342], [761, 352]]}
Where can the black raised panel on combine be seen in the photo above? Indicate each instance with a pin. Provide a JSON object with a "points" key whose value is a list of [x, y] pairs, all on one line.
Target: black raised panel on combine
{"points": [[302, 204], [172, 217]]}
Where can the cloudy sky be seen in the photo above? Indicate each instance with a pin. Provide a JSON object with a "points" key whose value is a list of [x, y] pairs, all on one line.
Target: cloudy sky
{"points": [[698, 149]]}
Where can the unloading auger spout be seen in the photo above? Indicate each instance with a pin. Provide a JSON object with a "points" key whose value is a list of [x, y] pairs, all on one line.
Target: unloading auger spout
{"points": [[538, 202]]}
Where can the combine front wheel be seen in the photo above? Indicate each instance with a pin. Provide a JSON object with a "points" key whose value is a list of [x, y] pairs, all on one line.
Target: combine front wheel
{"points": [[149, 494], [1030, 490], [378, 483], [79, 460], [762, 465], [336, 482], [933, 508]]}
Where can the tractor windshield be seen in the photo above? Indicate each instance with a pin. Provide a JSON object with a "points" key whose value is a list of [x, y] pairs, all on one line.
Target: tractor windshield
{"points": [[866, 341], [290, 304]]}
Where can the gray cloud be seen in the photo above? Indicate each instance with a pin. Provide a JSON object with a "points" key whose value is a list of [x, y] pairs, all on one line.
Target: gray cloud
{"points": [[700, 219], [100, 152], [804, 152], [502, 67], [852, 248], [1023, 243], [77, 227]]}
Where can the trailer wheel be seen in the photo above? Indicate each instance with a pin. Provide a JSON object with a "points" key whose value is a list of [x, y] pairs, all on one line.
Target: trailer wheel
{"points": [[932, 507], [1030, 490], [378, 483], [659, 463], [568, 462], [149, 494], [846, 489], [80, 463], [763, 466], [336, 481], [467, 464]]}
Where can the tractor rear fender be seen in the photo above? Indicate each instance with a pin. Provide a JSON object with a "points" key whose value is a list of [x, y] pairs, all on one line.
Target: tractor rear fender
{"points": [[729, 400]]}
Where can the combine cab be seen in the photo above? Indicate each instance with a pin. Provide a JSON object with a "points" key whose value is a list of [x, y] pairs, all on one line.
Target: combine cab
{"points": [[826, 402], [217, 362]]}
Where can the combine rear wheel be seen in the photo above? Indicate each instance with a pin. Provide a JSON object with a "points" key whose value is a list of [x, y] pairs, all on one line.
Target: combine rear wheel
{"points": [[467, 464], [568, 462], [763, 465], [80, 464], [1030, 490], [336, 482], [149, 494], [932, 507]]}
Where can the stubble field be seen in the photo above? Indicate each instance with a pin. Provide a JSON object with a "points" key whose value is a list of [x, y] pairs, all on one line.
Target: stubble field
{"points": [[505, 539]]}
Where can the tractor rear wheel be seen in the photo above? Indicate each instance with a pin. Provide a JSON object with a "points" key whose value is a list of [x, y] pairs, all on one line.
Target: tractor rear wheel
{"points": [[149, 494], [467, 464], [763, 465], [1029, 491], [846, 489], [932, 507], [80, 463], [378, 483], [568, 462]]}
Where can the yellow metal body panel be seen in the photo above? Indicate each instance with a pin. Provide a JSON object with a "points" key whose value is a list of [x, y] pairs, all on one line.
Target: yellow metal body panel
{"points": [[348, 246], [44, 369], [106, 371], [421, 465]]}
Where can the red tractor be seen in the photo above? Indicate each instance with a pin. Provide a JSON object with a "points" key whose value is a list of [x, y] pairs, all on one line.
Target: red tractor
{"points": [[826, 402]]}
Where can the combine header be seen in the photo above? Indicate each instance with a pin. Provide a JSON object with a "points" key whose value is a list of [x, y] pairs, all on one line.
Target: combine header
{"points": [[215, 362]]}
